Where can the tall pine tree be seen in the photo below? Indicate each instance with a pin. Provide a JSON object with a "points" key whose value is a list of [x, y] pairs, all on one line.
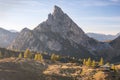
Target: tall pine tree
{"points": [[40, 57], [36, 57], [101, 62], [55, 57], [93, 63], [88, 63], [84, 61], [27, 54], [20, 55]]}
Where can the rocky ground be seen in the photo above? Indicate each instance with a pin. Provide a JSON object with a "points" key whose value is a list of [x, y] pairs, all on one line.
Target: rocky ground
{"points": [[27, 69]]}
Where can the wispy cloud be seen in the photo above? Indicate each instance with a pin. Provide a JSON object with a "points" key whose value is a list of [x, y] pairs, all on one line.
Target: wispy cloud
{"points": [[106, 25], [88, 3], [115, 0], [18, 6], [7, 5]]}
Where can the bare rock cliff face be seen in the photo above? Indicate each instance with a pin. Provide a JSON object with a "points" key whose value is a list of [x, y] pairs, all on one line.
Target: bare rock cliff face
{"points": [[115, 49], [116, 43], [59, 22]]}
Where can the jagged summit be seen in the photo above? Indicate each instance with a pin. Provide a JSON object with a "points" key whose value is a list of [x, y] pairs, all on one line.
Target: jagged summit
{"points": [[61, 23], [57, 10]]}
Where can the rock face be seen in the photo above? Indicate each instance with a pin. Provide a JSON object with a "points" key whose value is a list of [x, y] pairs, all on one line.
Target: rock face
{"points": [[59, 22], [116, 49], [116, 43], [6, 37]]}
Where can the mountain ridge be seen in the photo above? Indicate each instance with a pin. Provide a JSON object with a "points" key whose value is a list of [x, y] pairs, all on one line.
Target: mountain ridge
{"points": [[102, 37], [6, 37]]}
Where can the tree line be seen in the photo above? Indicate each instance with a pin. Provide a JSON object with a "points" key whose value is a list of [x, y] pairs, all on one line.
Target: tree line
{"points": [[39, 57], [92, 63]]}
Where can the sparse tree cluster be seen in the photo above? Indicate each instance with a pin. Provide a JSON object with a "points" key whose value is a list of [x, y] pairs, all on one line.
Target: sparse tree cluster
{"points": [[55, 57], [27, 54], [92, 63], [38, 57]]}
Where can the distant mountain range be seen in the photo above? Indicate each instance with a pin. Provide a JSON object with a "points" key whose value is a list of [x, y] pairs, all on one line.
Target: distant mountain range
{"points": [[102, 37], [59, 34], [6, 37], [14, 31]]}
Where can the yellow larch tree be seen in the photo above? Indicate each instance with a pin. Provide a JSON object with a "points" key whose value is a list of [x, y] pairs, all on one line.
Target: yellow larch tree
{"points": [[27, 54]]}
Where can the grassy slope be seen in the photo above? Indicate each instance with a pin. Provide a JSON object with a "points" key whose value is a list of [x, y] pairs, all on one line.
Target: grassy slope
{"points": [[25, 69]]}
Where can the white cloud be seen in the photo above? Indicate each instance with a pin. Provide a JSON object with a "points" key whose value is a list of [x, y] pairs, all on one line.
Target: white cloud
{"points": [[88, 3]]}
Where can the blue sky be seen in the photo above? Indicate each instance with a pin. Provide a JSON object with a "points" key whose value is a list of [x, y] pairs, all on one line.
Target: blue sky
{"points": [[99, 16]]}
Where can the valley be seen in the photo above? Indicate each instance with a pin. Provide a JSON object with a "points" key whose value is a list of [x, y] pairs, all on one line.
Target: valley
{"points": [[51, 68]]}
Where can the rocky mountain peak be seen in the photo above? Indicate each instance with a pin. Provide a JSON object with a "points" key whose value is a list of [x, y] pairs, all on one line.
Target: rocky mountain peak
{"points": [[57, 16], [57, 11], [59, 22], [58, 34]]}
